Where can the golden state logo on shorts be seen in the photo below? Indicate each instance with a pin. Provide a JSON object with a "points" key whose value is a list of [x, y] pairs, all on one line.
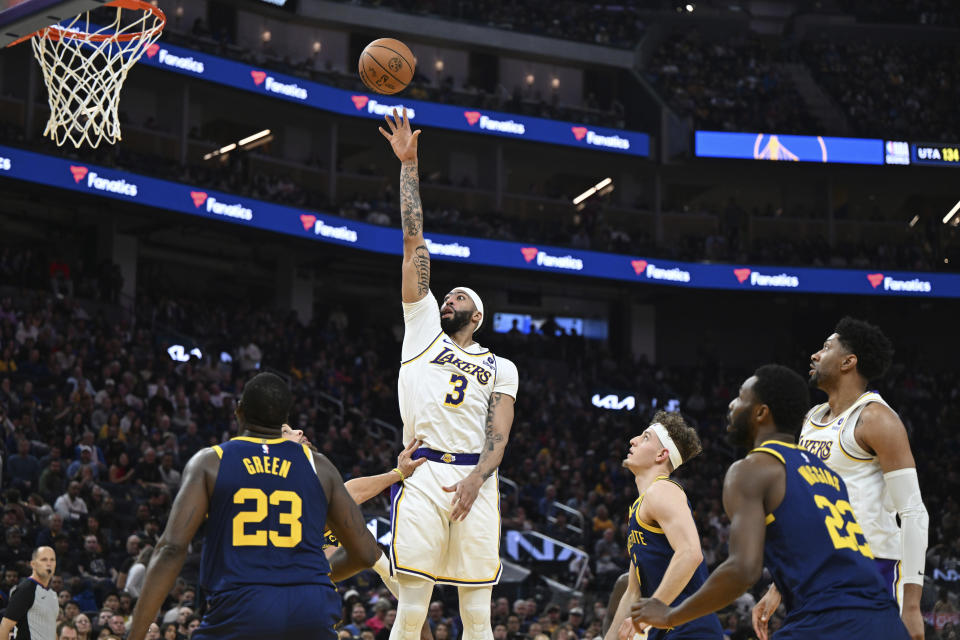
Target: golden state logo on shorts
{"points": [[448, 458]]}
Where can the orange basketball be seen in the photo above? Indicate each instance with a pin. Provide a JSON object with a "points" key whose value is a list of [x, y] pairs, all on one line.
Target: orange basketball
{"points": [[386, 66]]}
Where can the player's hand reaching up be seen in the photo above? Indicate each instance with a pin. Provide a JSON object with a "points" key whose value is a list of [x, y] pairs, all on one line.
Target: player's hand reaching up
{"points": [[404, 463], [403, 142]]}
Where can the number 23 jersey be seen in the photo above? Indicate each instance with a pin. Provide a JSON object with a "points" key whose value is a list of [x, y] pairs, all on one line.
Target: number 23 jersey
{"points": [[266, 519], [444, 390]]}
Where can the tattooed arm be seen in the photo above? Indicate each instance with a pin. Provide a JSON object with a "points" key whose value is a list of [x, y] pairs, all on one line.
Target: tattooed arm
{"points": [[415, 283], [496, 433]]}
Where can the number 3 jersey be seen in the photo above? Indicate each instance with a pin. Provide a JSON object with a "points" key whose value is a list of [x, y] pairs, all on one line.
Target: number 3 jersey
{"points": [[814, 548], [266, 518], [444, 390]]}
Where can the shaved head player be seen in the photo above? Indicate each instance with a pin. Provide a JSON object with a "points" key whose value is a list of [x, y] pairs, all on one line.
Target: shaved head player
{"points": [[457, 398]]}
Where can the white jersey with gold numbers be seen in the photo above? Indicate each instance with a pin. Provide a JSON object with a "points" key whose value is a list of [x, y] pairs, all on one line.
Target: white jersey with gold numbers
{"points": [[835, 444], [444, 390]]}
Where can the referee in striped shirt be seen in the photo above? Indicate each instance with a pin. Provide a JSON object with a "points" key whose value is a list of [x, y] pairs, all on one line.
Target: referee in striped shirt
{"points": [[33, 606]]}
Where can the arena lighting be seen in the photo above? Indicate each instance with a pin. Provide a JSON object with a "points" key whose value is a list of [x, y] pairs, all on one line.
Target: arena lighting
{"points": [[592, 190], [951, 213], [250, 142], [913, 222]]}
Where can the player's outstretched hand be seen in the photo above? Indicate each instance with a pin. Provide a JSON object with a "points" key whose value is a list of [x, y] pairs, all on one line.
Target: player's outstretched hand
{"points": [[466, 493], [404, 463], [403, 142], [650, 611], [763, 610]]}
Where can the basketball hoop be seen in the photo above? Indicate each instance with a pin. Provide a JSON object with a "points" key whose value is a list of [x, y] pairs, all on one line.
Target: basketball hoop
{"points": [[84, 67]]}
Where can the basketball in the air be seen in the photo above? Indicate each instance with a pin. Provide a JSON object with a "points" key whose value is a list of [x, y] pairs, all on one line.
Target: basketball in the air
{"points": [[386, 66]]}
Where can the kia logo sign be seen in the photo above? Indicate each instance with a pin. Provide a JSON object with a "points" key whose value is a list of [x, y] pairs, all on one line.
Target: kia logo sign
{"points": [[613, 402]]}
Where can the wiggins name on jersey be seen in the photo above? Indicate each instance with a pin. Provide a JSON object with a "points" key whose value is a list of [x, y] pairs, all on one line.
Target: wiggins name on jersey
{"points": [[834, 443], [444, 390]]}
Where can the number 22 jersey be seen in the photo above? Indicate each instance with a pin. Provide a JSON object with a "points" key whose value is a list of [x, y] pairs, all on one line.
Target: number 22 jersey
{"points": [[266, 519], [444, 390], [814, 548]]}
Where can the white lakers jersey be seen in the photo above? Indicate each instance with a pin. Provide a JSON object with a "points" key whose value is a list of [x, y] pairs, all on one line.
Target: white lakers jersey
{"points": [[445, 390], [835, 444]]}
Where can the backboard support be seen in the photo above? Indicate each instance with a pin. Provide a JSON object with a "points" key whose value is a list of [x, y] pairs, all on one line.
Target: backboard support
{"points": [[19, 18]]}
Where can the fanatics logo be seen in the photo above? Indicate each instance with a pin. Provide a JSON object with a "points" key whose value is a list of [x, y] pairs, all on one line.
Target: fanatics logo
{"points": [[529, 253], [152, 50], [638, 266], [307, 221], [258, 77], [79, 173], [875, 279], [472, 117], [742, 274], [359, 101], [198, 197], [579, 132]]}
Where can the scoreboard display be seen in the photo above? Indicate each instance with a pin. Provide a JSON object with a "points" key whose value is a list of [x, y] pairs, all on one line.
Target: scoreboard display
{"points": [[945, 155]]}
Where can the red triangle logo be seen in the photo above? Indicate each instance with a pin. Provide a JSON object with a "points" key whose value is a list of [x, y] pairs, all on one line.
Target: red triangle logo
{"points": [[152, 50], [199, 197], [307, 221], [638, 266], [742, 274], [875, 279], [258, 77], [529, 253], [359, 101], [579, 132], [79, 173], [472, 117]]}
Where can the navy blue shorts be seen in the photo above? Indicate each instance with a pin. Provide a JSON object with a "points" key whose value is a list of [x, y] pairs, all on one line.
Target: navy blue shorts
{"points": [[294, 612], [846, 624]]}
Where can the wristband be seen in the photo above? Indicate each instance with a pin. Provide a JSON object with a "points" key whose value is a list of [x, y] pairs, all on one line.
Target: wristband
{"points": [[400, 473]]}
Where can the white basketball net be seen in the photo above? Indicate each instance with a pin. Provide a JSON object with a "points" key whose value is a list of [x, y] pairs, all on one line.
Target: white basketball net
{"points": [[84, 71]]}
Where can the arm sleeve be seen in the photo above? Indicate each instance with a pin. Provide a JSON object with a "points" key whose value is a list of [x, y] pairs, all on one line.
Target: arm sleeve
{"points": [[507, 380], [421, 321], [20, 601], [904, 488]]}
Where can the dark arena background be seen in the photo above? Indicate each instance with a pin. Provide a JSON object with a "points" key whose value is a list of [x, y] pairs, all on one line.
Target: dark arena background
{"points": [[653, 198]]}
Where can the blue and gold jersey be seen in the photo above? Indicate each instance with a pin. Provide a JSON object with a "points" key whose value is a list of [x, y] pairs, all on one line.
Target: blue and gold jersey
{"points": [[814, 548], [650, 552], [267, 518]]}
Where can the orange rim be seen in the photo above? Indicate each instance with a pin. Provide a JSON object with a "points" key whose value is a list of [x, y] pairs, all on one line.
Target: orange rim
{"points": [[52, 33]]}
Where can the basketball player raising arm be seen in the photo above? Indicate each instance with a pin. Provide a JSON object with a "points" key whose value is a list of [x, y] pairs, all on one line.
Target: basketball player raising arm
{"points": [[862, 439], [457, 398]]}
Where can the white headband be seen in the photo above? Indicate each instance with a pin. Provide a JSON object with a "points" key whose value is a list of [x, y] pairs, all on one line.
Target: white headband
{"points": [[477, 301], [675, 458]]}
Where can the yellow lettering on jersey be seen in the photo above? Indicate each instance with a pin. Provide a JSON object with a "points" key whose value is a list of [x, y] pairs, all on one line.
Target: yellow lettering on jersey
{"points": [[819, 448], [636, 537], [815, 475], [272, 465]]}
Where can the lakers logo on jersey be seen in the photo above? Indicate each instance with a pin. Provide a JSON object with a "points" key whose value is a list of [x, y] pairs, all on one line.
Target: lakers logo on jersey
{"points": [[447, 356], [448, 458], [819, 448]]}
